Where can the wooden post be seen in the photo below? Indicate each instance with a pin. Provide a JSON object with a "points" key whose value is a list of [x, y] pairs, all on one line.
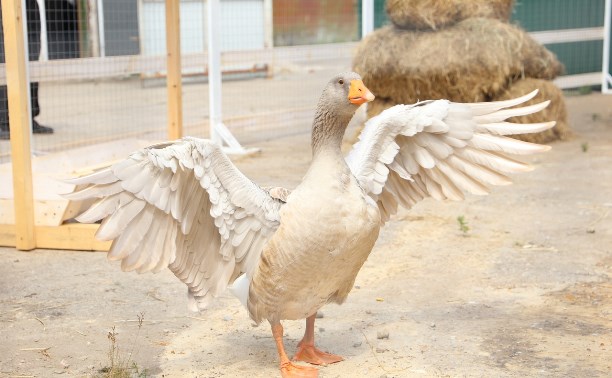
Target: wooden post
{"points": [[173, 79], [13, 18]]}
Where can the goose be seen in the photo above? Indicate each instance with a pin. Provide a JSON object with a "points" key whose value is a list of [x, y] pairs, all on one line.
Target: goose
{"points": [[183, 205]]}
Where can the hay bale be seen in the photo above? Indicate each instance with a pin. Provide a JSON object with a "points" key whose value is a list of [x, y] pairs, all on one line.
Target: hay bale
{"points": [[374, 108], [378, 105], [470, 61], [556, 111], [436, 14]]}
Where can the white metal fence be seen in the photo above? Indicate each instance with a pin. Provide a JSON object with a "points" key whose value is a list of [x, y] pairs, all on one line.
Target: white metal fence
{"points": [[110, 89]]}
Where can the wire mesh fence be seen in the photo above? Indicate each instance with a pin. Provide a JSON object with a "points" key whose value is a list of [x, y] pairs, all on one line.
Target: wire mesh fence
{"points": [[97, 67], [99, 75]]}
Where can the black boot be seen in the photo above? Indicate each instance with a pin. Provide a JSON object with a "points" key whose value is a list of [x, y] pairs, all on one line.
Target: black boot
{"points": [[37, 128]]}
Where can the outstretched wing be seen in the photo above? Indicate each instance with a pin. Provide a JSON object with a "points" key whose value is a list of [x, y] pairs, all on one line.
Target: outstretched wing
{"points": [[441, 149], [185, 206]]}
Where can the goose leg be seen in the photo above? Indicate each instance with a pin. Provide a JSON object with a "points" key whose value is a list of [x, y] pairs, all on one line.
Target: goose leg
{"points": [[307, 351], [287, 368]]}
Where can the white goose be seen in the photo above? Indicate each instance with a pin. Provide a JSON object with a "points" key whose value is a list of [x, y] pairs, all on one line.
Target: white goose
{"points": [[185, 206]]}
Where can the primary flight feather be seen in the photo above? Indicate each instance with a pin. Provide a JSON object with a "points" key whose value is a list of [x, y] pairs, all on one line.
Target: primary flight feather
{"points": [[183, 205]]}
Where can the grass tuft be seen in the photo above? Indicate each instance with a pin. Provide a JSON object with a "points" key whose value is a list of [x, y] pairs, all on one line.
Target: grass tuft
{"points": [[463, 226], [120, 366]]}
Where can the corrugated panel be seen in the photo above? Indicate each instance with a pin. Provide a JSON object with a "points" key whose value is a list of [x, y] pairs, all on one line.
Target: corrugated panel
{"points": [[578, 57], [535, 15]]}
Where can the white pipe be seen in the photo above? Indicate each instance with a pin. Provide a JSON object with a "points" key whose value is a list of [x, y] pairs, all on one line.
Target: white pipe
{"points": [[367, 17], [214, 69], [44, 39], [268, 24], [606, 80], [101, 37]]}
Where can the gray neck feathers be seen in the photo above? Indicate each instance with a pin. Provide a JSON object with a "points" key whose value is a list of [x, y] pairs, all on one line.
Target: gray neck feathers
{"points": [[328, 128]]}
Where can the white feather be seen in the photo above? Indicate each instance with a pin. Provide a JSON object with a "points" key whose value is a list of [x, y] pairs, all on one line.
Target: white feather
{"points": [[172, 204], [443, 149]]}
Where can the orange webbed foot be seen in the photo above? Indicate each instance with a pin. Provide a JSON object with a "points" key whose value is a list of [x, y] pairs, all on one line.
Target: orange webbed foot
{"points": [[312, 355], [291, 370]]}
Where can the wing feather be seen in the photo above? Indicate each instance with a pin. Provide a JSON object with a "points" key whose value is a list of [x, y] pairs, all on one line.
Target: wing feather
{"points": [[442, 150], [185, 206]]}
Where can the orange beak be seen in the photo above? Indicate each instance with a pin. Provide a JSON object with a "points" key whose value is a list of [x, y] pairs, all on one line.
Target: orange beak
{"points": [[358, 93]]}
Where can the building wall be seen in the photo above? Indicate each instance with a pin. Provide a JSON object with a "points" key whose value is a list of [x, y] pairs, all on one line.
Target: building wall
{"points": [[303, 22]]}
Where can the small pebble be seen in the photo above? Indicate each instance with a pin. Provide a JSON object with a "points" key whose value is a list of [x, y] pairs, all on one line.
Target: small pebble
{"points": [[381, 349], [433, 325], [382, 334], [590, 230], [319, 315], [321, 329], [227, 318], [357, 344]]}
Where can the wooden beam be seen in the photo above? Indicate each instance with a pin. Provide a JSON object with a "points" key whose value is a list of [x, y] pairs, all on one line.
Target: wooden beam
{"points": [[173, 79], [20, 120], [74, 236]]}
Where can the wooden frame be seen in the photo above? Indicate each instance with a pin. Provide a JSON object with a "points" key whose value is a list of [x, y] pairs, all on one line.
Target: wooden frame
{"points": [[67, 236], [13, 15], [24, 234], [173, 79]]}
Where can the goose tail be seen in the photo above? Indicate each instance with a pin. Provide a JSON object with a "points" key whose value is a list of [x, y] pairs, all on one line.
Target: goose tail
{"points": [[240, 289]]}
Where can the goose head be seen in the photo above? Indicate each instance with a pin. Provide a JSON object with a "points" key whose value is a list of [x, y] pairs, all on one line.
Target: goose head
{"points": [[341, 97], [344, 93]]}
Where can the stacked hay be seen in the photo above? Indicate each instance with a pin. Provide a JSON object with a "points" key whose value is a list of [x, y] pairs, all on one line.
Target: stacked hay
{"points": [[461, 50], [435, 14], [464, 62]]}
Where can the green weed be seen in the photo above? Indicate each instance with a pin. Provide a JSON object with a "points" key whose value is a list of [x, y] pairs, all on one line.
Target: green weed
{"points": [[463, 226]]}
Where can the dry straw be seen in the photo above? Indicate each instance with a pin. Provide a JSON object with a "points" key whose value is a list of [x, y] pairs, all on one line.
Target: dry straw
{"points": [[473, 60], [436, 14]]}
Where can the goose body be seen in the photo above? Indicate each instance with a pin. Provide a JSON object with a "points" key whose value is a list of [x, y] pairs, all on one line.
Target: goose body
{"points": [[328, 227], [183, 205]]}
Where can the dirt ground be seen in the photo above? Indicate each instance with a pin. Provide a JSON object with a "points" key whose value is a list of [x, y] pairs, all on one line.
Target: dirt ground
{"points": [[526, 292]]}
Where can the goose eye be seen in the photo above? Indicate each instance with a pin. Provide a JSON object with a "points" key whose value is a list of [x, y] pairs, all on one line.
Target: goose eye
{"points": [[340, 81]]}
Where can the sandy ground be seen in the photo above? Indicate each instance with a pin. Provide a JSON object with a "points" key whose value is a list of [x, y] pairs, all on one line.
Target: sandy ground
{"points": [[527, 292]]}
